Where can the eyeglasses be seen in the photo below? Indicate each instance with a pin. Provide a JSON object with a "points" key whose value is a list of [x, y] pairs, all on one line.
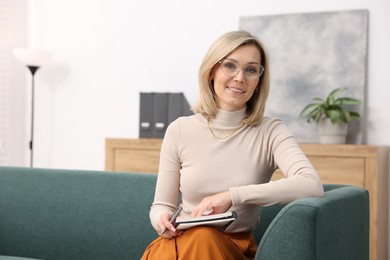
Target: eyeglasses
{"points": [[231, 68]]}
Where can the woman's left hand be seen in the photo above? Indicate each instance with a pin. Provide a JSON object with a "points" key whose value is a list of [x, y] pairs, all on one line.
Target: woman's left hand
{"points": [[218, 203]]}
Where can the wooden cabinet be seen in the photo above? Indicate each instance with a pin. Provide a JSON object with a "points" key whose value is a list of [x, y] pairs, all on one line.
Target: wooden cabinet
{"points": [[359, 165], [133, 155]]}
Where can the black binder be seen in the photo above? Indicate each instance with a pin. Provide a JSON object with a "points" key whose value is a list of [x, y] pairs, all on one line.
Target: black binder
{"points": [[160, 114], [146, 115], [158, 110]]}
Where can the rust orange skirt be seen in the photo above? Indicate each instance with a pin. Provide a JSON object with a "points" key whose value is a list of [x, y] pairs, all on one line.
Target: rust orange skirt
{"points": [[203, 243]]}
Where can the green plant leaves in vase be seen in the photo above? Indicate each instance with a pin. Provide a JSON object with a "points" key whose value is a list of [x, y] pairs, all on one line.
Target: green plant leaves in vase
{"points": [[333, 107]]}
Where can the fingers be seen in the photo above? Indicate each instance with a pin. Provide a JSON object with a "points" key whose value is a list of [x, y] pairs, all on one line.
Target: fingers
{"points": [[164, 224], [169, 231], [203, 209], [166, 228], [170, 234], [215, 204]]}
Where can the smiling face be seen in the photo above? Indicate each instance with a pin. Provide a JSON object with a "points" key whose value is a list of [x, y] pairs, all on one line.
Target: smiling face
{"points": [[232, 92]]}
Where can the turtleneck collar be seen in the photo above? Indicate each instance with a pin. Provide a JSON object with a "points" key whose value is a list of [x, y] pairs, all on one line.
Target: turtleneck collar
{"points": [[229, 119]]}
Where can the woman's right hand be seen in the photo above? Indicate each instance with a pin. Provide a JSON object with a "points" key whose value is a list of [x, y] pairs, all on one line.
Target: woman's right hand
{"points": [[165, 228]]}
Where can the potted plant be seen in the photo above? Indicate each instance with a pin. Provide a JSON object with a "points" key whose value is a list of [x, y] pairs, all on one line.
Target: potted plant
{"points": [[332, 116]]}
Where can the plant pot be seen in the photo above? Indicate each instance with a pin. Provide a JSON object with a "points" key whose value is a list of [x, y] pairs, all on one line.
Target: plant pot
{"points": [[332, 133]]}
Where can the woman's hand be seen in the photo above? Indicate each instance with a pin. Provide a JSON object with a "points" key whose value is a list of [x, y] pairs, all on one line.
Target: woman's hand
{"points": [[166, 228], [218, 203]]}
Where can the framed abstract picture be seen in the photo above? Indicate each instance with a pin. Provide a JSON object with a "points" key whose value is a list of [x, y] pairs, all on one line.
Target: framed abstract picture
{"points": [[310, 55]]}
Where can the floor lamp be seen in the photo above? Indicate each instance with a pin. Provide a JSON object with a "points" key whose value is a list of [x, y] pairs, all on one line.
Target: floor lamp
{"points": [[33, 59]]}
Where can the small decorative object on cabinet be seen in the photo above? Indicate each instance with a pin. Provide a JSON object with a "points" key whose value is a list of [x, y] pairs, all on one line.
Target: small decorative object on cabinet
{"points": [[364, 166], [332, 116]]}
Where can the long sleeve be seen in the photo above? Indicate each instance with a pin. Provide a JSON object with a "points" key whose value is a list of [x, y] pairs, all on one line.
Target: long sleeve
{"points": [[300, 178], [167, 187]]}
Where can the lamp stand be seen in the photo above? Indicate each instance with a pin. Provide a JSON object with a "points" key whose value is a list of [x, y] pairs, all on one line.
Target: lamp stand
{"points": [[33, 59], [32, 69]]}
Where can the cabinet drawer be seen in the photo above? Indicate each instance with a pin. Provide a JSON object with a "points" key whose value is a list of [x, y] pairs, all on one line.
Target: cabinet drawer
{"points": [[137, 160], [340, 170], [337, 170]]}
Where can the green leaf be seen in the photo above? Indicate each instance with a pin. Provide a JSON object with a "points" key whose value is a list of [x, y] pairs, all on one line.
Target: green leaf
{"points": [[336, 92], [308, 110], [348, 101], [354, 115], [320, 100], [334, 115], [347, 116]]}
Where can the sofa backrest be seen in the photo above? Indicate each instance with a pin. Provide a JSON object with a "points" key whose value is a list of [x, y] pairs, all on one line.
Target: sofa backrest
{"points": [[68, 214]]}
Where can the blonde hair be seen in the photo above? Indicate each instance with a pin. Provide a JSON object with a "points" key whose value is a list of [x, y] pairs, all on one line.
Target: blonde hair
{"points": [[221, 48]]}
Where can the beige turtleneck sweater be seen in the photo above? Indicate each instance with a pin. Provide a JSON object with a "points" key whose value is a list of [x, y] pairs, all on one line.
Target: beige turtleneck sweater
{"points": [[196, 164]]}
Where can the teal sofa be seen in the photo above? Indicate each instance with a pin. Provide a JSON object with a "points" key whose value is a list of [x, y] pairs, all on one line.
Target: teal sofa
{"points": [[76, 214]]}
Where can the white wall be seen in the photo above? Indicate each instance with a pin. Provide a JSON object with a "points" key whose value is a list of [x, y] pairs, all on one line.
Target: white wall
{"points": [[17, 124], [106, 52]]}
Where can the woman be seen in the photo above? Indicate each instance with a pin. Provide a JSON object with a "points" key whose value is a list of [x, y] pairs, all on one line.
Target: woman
{"points": [[222, 158]]}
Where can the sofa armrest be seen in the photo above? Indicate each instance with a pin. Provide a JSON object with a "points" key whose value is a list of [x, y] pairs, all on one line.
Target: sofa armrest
{"points": [[333, 227]]}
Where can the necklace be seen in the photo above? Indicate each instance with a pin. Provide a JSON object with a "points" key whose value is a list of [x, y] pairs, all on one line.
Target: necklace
{"points": [[226, 136]]}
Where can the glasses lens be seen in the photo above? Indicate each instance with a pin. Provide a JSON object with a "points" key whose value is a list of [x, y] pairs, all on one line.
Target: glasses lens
{"points": [[231, 68], [252, 71]]}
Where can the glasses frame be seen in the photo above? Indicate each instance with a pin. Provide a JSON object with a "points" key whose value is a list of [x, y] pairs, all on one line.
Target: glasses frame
{"points": [[241, 67]]}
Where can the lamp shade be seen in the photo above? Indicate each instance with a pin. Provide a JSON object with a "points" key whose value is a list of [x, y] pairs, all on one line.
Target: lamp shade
{"points": [[32, 57]]}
